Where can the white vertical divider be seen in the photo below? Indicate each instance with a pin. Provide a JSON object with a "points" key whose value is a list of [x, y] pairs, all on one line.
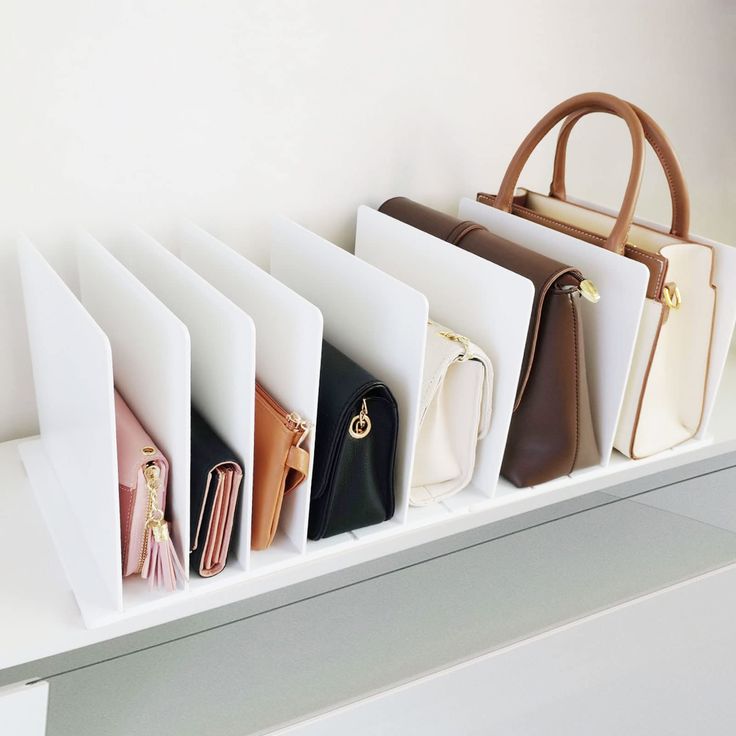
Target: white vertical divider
{"points": [[724, 278], [73, 466], [610, 327], [223, 342], [369, 315], [151, 364], [472, 296], [288, 356]]}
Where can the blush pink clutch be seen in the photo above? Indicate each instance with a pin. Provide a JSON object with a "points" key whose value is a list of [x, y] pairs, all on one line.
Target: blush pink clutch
{"points": [[143, 473]]}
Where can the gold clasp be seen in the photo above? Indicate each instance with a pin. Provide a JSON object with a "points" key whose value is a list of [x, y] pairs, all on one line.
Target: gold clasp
{"points": [[672, 296], [360, 424]]}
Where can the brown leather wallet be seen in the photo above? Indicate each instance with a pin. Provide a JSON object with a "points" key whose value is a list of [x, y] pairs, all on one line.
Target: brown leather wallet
{"points": [[280, 464]]}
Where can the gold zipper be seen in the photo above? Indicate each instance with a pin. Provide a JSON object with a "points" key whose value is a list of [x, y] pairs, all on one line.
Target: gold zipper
{"points": [[297, 424], [291, 419]]}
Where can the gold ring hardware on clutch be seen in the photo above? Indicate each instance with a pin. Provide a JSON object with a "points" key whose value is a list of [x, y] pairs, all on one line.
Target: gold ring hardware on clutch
{"points": [[672, 296], [589, 291], [467, 355], [148, 450], [360, 424]]}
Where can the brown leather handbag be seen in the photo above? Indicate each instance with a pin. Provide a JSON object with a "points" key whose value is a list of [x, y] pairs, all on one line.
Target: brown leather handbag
{"points": [[280, 464], [551, 432]]}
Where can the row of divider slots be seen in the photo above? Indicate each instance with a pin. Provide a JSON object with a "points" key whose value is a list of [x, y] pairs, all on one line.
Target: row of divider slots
{"points": [[197, 323]]}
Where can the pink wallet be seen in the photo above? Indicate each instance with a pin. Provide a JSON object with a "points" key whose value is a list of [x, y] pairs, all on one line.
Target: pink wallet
{"points": [[143, 473], [211, 540]]}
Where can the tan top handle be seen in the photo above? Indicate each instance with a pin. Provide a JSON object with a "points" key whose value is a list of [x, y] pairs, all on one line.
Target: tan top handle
{"points": [[600, 101], [661, 145]]}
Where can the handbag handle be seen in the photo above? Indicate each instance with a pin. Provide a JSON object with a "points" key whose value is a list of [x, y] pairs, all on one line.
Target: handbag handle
{"points": [[660, 144], [617, 239]]}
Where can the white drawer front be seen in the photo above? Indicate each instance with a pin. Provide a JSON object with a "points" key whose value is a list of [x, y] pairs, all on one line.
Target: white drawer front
{"points": [[23, 709], [663, 664]]}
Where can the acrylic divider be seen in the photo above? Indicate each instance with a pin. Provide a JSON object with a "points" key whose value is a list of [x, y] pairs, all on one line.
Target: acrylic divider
{"points": [[724, 277], [151, 366], [372, 317], [474, 297], [288, 355], [223, 342], [610, 327], [72, 467]]}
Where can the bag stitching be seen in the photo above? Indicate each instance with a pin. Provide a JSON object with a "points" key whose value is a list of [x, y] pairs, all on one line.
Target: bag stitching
{"points": [[668, 175]]}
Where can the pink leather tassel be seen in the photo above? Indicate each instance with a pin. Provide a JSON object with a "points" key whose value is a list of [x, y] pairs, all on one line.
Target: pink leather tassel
{"points": [[162, 566]]}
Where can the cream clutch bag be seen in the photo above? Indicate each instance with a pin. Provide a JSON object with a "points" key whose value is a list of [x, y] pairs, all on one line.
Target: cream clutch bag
{"points": [[455, 413]]}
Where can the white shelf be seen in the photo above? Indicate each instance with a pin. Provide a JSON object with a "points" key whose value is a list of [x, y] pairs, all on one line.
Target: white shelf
{"points": [[39, 616]]}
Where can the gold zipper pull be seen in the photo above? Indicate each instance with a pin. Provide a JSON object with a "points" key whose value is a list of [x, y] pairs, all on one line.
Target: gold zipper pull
{"points": [[295, 423], [152, 474], [589, 291], [160, 564], [294, 420]]}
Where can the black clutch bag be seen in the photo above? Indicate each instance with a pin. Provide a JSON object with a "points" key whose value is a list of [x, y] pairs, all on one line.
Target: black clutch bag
{"points": [[355, 448], [215, 485]]}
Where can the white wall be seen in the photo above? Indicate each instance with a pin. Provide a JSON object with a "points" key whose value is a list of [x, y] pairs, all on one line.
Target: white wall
{"points": [[228, 111]]}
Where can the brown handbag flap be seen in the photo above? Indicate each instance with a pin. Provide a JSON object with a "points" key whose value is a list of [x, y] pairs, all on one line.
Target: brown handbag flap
{"points": [[547, 275]]}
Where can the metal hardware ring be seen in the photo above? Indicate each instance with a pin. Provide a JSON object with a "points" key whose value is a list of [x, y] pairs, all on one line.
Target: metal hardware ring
{"points": [[360, 426]]}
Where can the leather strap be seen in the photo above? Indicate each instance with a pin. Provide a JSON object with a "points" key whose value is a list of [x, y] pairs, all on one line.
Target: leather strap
{"points": [[617, 239], [662, 147], [297, 461]]}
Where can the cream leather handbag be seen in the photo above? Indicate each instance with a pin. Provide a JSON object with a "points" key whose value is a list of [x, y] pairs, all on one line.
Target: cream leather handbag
{"points": [[455, 413], [665, 395]]}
